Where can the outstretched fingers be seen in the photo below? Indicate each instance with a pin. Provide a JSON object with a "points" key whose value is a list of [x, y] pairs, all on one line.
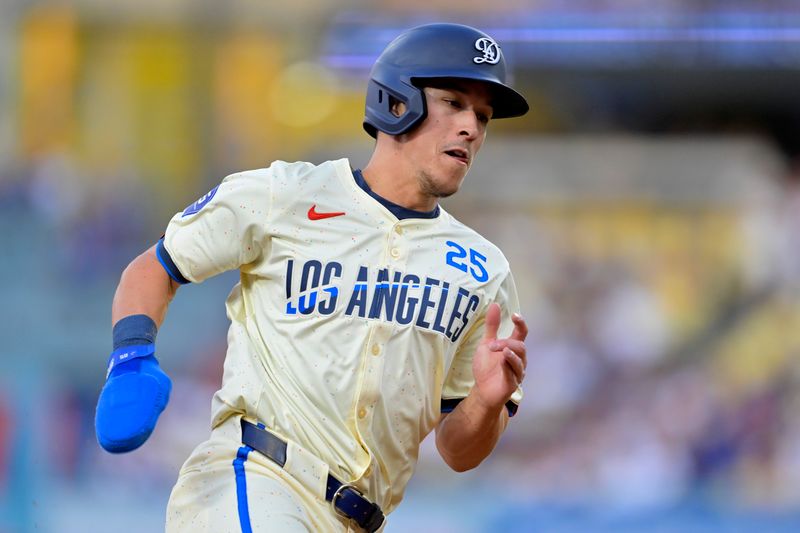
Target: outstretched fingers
{"points": [[512, 347]]}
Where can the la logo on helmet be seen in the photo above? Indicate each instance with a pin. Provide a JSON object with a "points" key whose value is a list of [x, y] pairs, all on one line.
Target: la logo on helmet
{"points": [[490, 49]]}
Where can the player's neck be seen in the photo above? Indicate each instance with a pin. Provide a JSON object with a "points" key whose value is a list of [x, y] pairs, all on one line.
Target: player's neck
{"points": [[395, 181]]}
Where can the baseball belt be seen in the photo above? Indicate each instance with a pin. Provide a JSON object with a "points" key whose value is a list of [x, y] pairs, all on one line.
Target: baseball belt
{"points": [[345, 499]]}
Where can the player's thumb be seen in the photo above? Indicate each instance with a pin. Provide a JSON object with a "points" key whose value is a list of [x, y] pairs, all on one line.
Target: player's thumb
{"points": [[492, 322]]}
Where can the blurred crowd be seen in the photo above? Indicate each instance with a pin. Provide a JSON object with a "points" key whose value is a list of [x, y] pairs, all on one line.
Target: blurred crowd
{"points": [[664, 361]]}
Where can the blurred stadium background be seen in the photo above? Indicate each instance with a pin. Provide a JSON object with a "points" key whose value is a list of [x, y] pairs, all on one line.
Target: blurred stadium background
{"points": [[649, 205]]}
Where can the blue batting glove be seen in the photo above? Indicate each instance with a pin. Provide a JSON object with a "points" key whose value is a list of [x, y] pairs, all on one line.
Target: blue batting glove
{"points": [[134, 395]]}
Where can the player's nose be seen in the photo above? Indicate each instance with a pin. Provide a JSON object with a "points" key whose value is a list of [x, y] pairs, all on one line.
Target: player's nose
{"points": [[469, 124]]}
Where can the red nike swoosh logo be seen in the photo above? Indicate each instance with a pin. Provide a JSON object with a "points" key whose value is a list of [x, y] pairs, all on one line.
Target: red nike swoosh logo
{"points": [[313, 215]]}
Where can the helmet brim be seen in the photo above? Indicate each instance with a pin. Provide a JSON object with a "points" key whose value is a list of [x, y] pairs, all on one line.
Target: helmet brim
{"points": [[506, 102]]}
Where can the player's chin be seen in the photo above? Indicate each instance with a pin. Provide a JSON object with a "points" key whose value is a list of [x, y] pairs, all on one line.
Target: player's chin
{"points": [[454, 176], [440, 190], [443, 181], [447, 191], [448, 186]]}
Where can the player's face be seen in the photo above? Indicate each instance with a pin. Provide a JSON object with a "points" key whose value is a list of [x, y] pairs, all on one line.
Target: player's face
{"points": [[444, 146]]}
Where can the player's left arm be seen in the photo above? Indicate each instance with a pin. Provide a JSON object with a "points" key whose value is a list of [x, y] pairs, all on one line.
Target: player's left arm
{"points": [[467, 435]]}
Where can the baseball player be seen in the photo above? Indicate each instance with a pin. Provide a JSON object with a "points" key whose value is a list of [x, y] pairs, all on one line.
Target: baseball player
{"points": [[365, 315]]}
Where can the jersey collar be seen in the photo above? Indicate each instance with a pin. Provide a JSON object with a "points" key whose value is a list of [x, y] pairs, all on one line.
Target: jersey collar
{"points": [[399, 211]]}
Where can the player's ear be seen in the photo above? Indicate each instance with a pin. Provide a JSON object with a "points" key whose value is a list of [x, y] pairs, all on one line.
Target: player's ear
{"points": [[397, 107]]}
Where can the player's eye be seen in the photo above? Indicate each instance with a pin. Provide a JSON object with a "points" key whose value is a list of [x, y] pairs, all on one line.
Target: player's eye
{"points": [[453, 103]]}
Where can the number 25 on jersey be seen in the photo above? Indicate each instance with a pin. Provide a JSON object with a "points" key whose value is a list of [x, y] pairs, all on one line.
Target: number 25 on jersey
{"points": [[457, 257]]}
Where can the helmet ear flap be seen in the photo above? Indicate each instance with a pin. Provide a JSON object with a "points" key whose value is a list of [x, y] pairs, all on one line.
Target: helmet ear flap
{"points": [[380, 101]]}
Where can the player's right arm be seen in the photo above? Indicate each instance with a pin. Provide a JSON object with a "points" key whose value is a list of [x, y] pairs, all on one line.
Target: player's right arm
{"points": [[145, 288], [136, 390], [224, 230]]}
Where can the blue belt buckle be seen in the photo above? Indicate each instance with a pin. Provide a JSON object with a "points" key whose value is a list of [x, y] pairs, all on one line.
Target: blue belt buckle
{"points": [[338, 493]]}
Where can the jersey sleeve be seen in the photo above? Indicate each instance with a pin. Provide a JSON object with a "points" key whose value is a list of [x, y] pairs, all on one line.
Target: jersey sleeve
{"points": [[224, 230], [459, 380]]}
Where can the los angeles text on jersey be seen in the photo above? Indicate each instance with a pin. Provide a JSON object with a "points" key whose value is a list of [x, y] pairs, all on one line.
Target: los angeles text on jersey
{"points": [[383, 294]]}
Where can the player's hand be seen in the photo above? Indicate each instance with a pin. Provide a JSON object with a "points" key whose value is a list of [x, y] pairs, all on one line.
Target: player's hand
{"points": [[499, 364], [133, 397]]}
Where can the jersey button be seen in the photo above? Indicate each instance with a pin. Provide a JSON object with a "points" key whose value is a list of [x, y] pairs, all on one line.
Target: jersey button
{"points": [[376, 349], [398, 230], [395, 252], [362, 413]]}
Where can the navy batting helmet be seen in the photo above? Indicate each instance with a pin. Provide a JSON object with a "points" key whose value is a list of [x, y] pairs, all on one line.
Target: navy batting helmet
{"points": [[435, 51]]}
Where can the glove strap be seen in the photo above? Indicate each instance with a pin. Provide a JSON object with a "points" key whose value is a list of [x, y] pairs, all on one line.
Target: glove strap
{"points": [[127, 353]]}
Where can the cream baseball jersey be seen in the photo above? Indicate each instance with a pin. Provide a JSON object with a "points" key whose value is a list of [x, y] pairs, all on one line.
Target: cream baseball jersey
{"points": [[352, 330]]}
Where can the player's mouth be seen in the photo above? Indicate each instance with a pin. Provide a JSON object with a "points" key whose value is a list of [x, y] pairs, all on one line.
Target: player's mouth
{"points": [[459, 154]]}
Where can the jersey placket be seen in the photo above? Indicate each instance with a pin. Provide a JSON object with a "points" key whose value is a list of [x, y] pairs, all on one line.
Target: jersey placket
{"points": [[380, 331]]}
